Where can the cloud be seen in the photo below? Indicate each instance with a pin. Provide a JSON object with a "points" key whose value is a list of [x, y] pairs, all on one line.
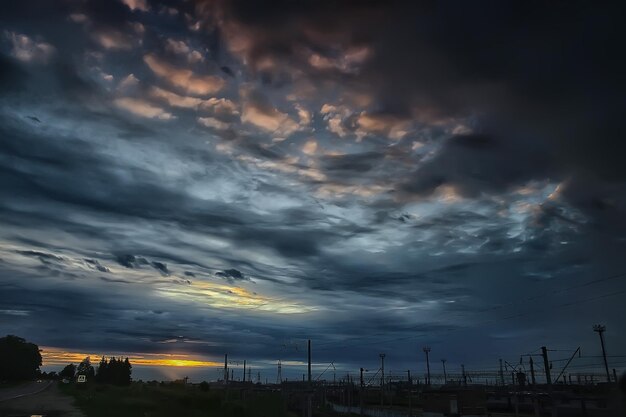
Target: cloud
{"points": [[221, 106], [232, 275], [95, 264], [474, 164], [346, 61], [12, 76], [27, 50], [141, 5], [389, 126], [128, 83], [177, 47], [505, 96], [336, 117], [195, 57], [304, 115], [310, 147], [176, 100], [161, 267], [259, 112], [41, 255], [130, 261], [113, 39], [213, 122], [184, 79], [143, 108], [181, 48]]}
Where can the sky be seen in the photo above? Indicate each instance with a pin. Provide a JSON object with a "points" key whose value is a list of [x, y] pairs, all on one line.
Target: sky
{"points": [[185, 179]]}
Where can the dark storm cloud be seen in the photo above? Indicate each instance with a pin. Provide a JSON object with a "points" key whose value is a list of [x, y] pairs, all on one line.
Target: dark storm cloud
{"points": [[542, 79], [12, 76], [481, 163]]}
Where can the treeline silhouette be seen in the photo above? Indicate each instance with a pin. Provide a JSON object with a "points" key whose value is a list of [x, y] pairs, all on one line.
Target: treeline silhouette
{"points": [[19, 360], [114, 371]]}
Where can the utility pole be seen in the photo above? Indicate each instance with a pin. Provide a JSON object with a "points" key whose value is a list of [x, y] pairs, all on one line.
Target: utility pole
{"points": [[426, 351], [532, 370], [244, 370], [501, 374], [546, 364], [309, 361], [600, 329], [382, 378], [279, 375], [226, 367], [445, 375], [464, 376], [361, 383], [410, 393]]}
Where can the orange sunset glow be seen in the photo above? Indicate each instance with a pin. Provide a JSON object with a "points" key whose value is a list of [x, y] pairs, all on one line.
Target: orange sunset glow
{"points": [[56, 356]]}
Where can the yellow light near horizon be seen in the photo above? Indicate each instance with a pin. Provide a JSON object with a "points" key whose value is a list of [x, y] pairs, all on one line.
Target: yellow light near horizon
{"points": [[56, 356], [232, 297], [183, 363]]}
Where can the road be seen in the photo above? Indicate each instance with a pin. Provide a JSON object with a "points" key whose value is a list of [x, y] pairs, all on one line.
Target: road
{"points": [[23, 390], [43, 398]]}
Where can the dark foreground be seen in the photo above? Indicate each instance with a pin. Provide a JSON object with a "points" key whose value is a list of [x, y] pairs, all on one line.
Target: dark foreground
{"points": [[44, 398]]}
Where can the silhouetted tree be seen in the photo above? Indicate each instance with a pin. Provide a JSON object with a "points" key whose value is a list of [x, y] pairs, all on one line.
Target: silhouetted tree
{"points": [[128, 370], [204, 386], [114, 371], [85, 368], [102, 372], [19, 359], [68, 372]]}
